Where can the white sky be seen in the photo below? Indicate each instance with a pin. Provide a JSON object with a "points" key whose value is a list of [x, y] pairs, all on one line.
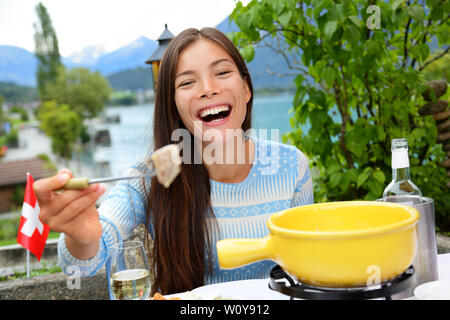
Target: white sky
{"points": [[110, 23]]}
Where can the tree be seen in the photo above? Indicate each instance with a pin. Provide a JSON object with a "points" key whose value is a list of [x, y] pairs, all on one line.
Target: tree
{"points": [[358, 84], [1, 112], [62, 125], [85, 91], [2, 129], [439, 69], [46, 50]]}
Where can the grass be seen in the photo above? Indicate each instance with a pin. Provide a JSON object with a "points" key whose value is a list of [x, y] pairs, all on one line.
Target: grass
{"points": [[9, 228], [8, 235], [9, 241], [45, 270]]}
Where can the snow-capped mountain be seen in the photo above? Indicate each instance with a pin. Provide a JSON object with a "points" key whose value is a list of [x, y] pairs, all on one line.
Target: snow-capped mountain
{"points": [[21, 68], [87, 57], [130, 56], [18, 65]]}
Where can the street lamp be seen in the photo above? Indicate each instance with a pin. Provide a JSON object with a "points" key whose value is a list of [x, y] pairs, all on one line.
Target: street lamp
{"points": [[155, 59]]}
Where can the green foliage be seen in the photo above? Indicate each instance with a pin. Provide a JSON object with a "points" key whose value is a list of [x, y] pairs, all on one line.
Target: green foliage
{"points": [[9, 227], [372, 79], [46, 50], [1, 111], [21, 111], [62, 125], [17, 94], [84, 91], [134, 79], [123, 99], [68, 96], [48, 268], [440, 69], [18, 195], [12, 138], [48, 163]]}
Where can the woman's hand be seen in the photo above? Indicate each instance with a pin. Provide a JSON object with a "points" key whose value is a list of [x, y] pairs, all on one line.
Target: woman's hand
{"points": [[72, 212]]}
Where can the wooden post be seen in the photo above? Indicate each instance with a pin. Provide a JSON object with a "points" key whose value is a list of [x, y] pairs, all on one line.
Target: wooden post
{"points": [[441, 115]]}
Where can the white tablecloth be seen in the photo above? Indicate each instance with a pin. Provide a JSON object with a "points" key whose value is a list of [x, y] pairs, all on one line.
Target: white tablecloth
{"points": [[258, 289], [444, 266]]}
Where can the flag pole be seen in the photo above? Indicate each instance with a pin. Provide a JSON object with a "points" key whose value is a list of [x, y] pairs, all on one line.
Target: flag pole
{"points": [[28, 251], [28, 263]]}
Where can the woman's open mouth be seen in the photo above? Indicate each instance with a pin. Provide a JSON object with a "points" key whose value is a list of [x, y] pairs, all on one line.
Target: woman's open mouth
{"points": [[215, 115]]}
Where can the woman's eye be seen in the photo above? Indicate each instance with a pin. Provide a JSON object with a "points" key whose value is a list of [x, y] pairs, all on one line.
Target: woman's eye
{"points": [[185, 83], [222, 73]]}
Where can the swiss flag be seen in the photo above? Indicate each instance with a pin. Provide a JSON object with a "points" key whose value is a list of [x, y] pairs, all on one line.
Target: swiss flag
{"points": [[32, 232]]}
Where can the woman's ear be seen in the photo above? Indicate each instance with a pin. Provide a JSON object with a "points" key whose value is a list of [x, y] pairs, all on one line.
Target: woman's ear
{"points": [[248, 93]]}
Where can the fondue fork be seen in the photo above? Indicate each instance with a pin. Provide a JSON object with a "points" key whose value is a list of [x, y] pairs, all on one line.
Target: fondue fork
{"points": [[80, 183]]}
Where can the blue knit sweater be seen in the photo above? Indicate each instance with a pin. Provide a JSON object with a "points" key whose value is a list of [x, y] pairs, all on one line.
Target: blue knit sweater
{"points": [[279, 179]]}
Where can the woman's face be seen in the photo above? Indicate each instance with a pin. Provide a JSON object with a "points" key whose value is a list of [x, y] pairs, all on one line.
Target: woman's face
{"points": [[209, 90]]}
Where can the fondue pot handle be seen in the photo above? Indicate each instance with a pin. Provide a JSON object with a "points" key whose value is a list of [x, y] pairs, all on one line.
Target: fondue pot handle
{"points": [[234, 253]]}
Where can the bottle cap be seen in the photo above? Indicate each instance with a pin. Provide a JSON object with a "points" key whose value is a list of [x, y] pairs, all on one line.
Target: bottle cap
{"points": [[400, 157], [399, 143]]}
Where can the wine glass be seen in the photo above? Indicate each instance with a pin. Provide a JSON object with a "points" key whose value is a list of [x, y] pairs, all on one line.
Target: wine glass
{"points": [[129, 272]]}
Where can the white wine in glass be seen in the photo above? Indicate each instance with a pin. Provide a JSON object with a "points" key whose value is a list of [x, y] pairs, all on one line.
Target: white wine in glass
{"points": [[129, 274]]}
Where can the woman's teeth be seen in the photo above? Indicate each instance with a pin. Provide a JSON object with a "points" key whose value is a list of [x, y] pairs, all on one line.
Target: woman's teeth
{"points": [[213, 111]]}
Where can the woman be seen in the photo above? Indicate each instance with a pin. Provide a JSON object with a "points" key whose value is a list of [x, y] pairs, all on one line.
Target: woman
{"points": [[228, 186]]}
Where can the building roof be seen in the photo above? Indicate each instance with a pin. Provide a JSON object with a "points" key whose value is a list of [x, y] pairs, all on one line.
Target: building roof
{"points": [[163, 41], [165, 35], [15, 172], [158, 53]]}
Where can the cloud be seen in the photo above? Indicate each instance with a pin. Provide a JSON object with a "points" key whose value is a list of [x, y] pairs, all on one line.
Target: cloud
{"points": [[111, 23]]}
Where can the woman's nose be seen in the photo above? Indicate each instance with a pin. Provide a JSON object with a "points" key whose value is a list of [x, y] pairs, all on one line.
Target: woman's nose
{"points": [[208, 88]]}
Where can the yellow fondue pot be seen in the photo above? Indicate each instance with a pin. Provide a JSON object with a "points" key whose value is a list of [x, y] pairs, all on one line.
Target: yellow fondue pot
{"points": [[338, 244]]}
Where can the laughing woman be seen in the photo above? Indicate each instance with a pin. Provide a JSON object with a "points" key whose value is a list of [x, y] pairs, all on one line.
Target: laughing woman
{"points": [[230, 182]]}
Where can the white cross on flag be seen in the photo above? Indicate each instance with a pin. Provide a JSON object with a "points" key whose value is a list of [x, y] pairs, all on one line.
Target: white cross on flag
{"points": [[32, 233]]}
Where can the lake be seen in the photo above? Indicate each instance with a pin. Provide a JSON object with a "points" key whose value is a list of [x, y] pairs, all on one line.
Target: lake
{"points": [[131, 138]]}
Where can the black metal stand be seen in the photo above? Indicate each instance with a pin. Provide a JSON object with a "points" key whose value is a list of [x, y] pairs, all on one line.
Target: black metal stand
{"points": [[305, 291]]}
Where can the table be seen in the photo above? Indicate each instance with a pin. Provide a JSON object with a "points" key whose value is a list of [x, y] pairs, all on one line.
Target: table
{"points": [[444, 266], [258, 289]]}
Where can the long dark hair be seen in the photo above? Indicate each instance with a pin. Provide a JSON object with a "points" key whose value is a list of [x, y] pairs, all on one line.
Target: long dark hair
{"points": [[179, 213]]}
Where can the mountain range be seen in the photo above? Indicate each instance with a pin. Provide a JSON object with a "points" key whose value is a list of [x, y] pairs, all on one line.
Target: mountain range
{"points": [[19, 66]]}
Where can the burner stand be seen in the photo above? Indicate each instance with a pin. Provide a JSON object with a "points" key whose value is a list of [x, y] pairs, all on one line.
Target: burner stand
{"points": [[306, 291]]}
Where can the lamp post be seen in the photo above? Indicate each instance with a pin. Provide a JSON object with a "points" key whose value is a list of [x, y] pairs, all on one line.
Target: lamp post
{"points": [[155, 58]]}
